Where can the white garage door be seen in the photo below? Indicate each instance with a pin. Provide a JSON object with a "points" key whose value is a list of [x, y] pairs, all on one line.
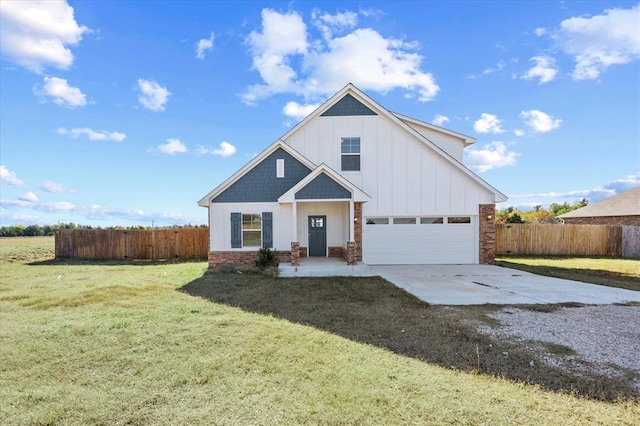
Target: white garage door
{"points": [[415, 241]]}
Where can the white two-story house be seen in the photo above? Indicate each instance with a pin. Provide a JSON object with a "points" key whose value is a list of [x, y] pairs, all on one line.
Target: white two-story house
{"points": [[356, 181]]}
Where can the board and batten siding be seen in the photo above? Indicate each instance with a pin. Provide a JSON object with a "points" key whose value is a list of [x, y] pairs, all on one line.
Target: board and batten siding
{"points": [[402, 176], [449, 144], [220, 225]]}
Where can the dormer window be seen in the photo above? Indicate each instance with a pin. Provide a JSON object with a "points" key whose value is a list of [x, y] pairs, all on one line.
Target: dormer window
{"points": [[350, 153]]}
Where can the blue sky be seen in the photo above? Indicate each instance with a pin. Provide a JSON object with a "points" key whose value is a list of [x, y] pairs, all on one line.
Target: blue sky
{"points": [[127, 113]]}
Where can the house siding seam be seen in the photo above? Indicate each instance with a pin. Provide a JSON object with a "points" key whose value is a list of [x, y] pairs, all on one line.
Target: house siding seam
{"points": [[346, 106], [322, 187], [260, 184]]}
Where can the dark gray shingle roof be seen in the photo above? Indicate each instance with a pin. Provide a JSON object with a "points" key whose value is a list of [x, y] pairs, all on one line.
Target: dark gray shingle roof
{"points": [[625, 204]]}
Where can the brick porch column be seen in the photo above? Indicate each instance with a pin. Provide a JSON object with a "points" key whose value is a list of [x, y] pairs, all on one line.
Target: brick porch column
{"points": [[295, 253], [352, 255], [357, 215], [487, 215]]}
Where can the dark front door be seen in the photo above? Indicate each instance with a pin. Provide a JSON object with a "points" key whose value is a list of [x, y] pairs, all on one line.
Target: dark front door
{"points": [[318, 236]]}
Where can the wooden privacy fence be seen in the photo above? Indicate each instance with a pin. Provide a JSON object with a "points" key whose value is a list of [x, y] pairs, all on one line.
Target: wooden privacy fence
{"points": [[580, 240], [147, 244]]}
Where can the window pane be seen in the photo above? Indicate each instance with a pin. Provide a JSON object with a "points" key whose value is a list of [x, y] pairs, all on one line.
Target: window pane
{"points": [[251, 221], [377, 221], [430, 220], [350, 162], [350, 146], [404, 220], [251, 238], [459, 219]]}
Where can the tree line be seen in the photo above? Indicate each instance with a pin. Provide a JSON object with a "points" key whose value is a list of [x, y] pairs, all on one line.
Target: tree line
{"points": [[48, 230], [538, 214]]}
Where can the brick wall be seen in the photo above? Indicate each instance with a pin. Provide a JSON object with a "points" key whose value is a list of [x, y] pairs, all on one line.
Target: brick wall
{"points": [[604, 220], [221, 258], [487, 215], [336, 252], [357, 213], [352, 257]]}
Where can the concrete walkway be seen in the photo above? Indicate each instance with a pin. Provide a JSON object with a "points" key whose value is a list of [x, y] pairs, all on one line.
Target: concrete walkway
{"points": [[468, 284]]}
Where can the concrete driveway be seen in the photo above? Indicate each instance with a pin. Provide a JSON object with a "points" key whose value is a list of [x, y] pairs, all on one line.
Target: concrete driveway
{"points": [[480, 284]]}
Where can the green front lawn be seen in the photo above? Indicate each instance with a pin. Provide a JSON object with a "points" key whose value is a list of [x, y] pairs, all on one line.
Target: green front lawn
{"points": [[154, 343], [612, 272]]}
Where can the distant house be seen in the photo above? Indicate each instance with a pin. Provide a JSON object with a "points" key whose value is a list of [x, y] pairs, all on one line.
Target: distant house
{"points": [[356, 181], [621, 209]]}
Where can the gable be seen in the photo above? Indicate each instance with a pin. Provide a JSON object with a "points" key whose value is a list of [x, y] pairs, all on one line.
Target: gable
{"points": [[322, 187], [347, 106], [260, 184], [317, 138]]}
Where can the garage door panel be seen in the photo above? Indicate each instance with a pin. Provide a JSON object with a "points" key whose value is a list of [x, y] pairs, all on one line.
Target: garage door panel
{"points": [[419, 244]]}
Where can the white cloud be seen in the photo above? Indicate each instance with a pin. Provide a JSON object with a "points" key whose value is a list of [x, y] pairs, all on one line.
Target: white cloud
{"points": [[173, 146], [539, 121], [9, 177], [15, 203], [488, 123], [624, 184], [29, 197], [62, 94], [500, 65], [225, 150], [490, 156], [50, 186], [92, 212], [55, 207], [204, 45], [593, 195], [518, 132], [36, 34], [328, 24], [439, 120], [282, 36], [327, 63], [540, 31], [102, 135], [599, 41], [371, 62], [153, 96], [545, 69], [295, 110]]}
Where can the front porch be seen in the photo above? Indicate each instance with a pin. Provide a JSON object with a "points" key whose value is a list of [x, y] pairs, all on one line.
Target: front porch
{"points": [[324, 267], [326, 229], [326, 217]]}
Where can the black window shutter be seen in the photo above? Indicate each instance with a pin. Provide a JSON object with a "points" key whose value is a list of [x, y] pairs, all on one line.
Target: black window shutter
{"points": [[267, 229], [236, 230]]}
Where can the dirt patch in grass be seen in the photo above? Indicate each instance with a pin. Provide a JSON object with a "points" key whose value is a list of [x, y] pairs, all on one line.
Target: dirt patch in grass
{"points": [[375, 312]]}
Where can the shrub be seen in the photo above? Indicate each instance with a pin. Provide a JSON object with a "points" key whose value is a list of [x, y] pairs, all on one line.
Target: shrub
{"points": [[266, 257]]}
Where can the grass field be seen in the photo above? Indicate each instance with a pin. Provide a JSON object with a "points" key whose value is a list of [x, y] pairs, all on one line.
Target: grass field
{"points": [[612, 272], [160, 343]]}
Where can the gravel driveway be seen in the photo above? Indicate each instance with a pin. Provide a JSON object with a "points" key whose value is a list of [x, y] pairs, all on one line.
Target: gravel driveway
{"points": [[604, 337]]}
